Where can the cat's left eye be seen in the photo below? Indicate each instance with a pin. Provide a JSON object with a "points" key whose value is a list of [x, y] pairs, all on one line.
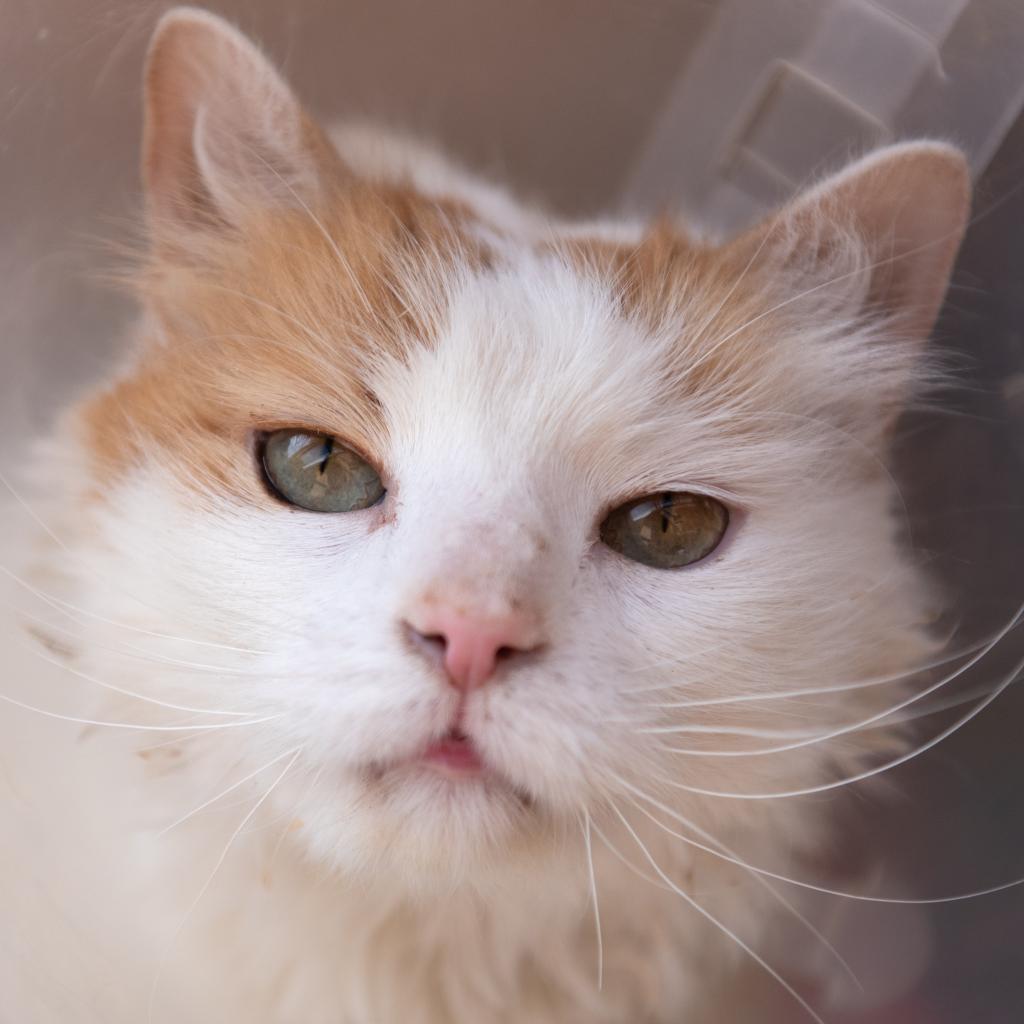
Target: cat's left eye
{"points": [[668, 530], [319, 473]]}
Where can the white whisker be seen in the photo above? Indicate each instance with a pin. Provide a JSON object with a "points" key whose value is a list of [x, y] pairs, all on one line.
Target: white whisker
{"points": [[888, 766], [777, 896], [933, 708], [689, 658], [132, 725], [213, 874], [862, 684], [740, 730], [32, 514], [593, 895], [64, 667], [123, 649], [864, 723], [624, 860], [224, 792], [305, 796], [756, 957], [937, 707], [824, 890], [72, 610]]}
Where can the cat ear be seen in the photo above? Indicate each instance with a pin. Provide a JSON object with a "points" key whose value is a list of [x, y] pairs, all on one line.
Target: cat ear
{"points": [[880, 236], [223, 132]]}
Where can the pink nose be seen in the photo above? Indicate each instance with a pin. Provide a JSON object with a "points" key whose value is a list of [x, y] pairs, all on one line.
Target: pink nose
{"points": [[470, 646]]}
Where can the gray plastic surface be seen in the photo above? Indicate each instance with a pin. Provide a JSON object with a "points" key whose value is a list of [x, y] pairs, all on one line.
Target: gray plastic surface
{"points": [[782, 90]]}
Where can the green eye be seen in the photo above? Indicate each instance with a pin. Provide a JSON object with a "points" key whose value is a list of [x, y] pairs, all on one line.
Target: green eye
{"points": [[666, 531], [316, 472]]}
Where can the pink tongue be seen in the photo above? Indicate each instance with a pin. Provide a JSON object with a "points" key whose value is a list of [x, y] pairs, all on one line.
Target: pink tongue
{"points": [[456, 754]]}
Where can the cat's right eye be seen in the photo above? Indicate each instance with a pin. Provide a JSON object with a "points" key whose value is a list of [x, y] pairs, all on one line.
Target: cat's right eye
{"points": [[668, 530], [319, 473]]}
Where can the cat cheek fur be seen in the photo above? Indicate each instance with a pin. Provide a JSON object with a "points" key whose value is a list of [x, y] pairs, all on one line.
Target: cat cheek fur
{"points": [[513, 379]]}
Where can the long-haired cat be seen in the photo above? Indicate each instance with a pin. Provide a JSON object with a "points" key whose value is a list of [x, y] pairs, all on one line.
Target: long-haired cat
{"points": [[442, 604]]}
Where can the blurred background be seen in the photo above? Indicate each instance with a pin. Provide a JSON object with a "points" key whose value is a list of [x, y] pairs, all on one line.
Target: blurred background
{"points": [[715, 110]]}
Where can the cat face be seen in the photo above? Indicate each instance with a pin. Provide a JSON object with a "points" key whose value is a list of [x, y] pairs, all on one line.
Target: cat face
{"points": [[456, 673]]}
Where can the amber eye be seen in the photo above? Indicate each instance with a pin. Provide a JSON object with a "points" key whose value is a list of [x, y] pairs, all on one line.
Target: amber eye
{"points": [[666, 531], [316, 472]]}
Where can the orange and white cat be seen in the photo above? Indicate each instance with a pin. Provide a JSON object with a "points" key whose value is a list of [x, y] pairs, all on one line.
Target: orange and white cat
{"points": [[440, 600]]}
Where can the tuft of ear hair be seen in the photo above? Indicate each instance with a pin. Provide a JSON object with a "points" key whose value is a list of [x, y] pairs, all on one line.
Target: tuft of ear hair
{"points": [[879, 236], [223, 132]]}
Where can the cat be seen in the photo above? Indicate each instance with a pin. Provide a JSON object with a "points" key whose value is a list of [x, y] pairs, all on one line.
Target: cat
{"points": [[442, 603]]}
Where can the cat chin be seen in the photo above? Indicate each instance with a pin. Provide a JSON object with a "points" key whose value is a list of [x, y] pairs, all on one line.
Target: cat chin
{"points": [[428, 828]]}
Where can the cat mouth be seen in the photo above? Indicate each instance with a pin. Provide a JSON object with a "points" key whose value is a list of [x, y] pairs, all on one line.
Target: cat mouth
{"points": [[455, 756]]}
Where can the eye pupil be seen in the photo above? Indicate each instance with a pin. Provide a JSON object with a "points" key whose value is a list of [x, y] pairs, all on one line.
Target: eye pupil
{"points": [[326, 454], [668, 530], [319, 473], [666, 506]]}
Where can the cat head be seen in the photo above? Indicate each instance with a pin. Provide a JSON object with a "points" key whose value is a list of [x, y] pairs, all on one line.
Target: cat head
{"points": [[480, 521]]}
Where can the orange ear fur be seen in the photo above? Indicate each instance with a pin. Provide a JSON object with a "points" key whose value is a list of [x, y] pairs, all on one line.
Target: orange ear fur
{"points": [[223, 132]]}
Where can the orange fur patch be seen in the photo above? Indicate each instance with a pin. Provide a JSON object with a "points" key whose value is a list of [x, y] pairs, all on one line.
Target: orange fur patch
{"points": [[277, 324], [707, 295]]}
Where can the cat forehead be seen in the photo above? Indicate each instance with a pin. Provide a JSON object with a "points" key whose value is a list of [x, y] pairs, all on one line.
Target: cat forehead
{"points": [[531, 340], [551, 358], [389, 321], [534, 367]]}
